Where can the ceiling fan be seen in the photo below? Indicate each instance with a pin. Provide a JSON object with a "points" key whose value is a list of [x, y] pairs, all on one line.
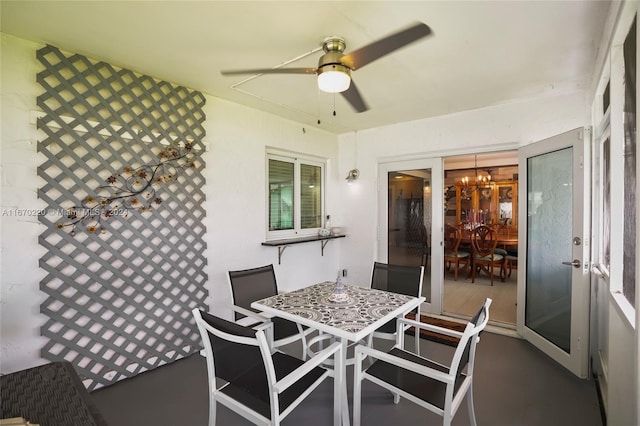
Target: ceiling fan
{"points": [[334, 67]]}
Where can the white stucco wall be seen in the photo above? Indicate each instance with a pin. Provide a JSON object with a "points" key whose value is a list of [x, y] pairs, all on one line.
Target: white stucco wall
{"points": [[236, 198], [20, 296]]}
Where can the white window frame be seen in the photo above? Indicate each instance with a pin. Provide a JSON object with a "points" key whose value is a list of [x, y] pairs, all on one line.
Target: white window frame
{"points": [[614, 70], [604, 134], [297, 159]]}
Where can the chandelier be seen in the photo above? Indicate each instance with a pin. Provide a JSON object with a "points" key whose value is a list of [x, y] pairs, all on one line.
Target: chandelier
{"points": [[481, 176]]}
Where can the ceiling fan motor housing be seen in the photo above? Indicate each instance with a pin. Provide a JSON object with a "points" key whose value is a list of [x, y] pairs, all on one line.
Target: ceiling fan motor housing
{"points": [[333, 44], [334, 48]]}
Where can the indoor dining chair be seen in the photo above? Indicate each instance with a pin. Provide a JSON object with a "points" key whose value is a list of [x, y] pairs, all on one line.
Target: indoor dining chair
{"points": [[425, 250], [247, 377], [485, 257], [437, 387], [508, 248], [510, 262], [400, 279], [453, 256], [249, 285]]}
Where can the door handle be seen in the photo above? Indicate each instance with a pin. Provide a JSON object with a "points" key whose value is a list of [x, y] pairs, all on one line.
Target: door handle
{"points": [[576, 263]]}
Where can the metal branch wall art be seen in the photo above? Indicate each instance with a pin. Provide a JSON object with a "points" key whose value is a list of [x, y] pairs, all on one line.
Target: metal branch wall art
{"points": [[130, 189]]}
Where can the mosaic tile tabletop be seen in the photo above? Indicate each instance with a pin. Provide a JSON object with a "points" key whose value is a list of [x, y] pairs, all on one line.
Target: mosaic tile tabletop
{"points": [[362, 308]]}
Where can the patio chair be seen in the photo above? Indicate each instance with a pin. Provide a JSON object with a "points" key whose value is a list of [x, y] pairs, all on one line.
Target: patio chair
{"points": [[249, 285], [405, 280], [259, 385], [429, 384]]}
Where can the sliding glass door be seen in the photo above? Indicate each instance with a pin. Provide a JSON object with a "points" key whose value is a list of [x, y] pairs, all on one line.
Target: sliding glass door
{"points": [[410, 221]]}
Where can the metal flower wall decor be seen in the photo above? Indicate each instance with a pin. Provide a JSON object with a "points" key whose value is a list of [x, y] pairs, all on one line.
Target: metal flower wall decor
{"points": [[130, 189]]}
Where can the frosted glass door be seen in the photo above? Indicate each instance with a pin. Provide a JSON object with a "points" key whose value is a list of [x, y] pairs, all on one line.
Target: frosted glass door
{"points": [[553, 248], [549, 233]]}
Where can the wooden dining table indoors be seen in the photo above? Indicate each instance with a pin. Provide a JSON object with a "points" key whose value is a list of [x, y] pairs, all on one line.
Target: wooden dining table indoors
{"points": [[506, 237], [361, 312]]}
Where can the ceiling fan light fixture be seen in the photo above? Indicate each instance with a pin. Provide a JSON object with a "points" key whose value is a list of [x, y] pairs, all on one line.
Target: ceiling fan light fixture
{"points": [[334, 78]]}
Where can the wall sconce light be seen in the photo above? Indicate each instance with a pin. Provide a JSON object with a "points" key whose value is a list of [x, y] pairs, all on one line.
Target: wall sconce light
{"points": [[353, 175]]}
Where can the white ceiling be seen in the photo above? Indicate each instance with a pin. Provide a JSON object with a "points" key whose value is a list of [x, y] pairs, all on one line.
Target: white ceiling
{"points": [[481, 53]]}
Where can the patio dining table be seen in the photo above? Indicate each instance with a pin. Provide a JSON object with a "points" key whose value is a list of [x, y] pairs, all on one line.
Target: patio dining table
{"points": [[363, 311]]}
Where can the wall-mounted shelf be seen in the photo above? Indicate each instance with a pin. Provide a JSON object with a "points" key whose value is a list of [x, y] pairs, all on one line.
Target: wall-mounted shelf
{"points": [[284, 243]]}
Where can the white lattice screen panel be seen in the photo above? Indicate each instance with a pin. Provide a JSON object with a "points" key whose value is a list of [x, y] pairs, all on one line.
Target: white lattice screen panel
{"points": [[119, 302]]}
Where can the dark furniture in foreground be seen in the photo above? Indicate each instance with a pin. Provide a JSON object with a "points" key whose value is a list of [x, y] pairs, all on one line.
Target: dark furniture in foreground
{"points": [[51, 394]]}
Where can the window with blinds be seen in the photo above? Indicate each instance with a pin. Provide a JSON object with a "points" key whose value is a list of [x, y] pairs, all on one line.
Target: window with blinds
{"points": [[280, 195], [295, 195], [310, 199]]}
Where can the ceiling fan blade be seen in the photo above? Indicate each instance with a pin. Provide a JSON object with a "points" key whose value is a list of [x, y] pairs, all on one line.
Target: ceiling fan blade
{"points": [[271, 71], [352, 95], [377, 49]]}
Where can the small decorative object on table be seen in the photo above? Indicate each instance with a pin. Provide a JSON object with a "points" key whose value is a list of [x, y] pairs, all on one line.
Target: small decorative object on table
{"points": [[323, 232], [326, 231], [339, 294]]}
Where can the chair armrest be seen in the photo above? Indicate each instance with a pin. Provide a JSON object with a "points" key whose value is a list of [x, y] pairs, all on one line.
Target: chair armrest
{"points": [[430, 327], [403, 363], [319, 338], [248, 313], [263, 326], [288, 380], [248, 321]]}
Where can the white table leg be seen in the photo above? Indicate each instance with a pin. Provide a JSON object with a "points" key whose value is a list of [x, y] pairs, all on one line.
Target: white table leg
{"points": [[338, 380], [341, 371]]}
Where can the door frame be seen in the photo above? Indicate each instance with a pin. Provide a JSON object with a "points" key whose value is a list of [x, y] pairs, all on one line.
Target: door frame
{"points": [[577, 361], [437, 217]]}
